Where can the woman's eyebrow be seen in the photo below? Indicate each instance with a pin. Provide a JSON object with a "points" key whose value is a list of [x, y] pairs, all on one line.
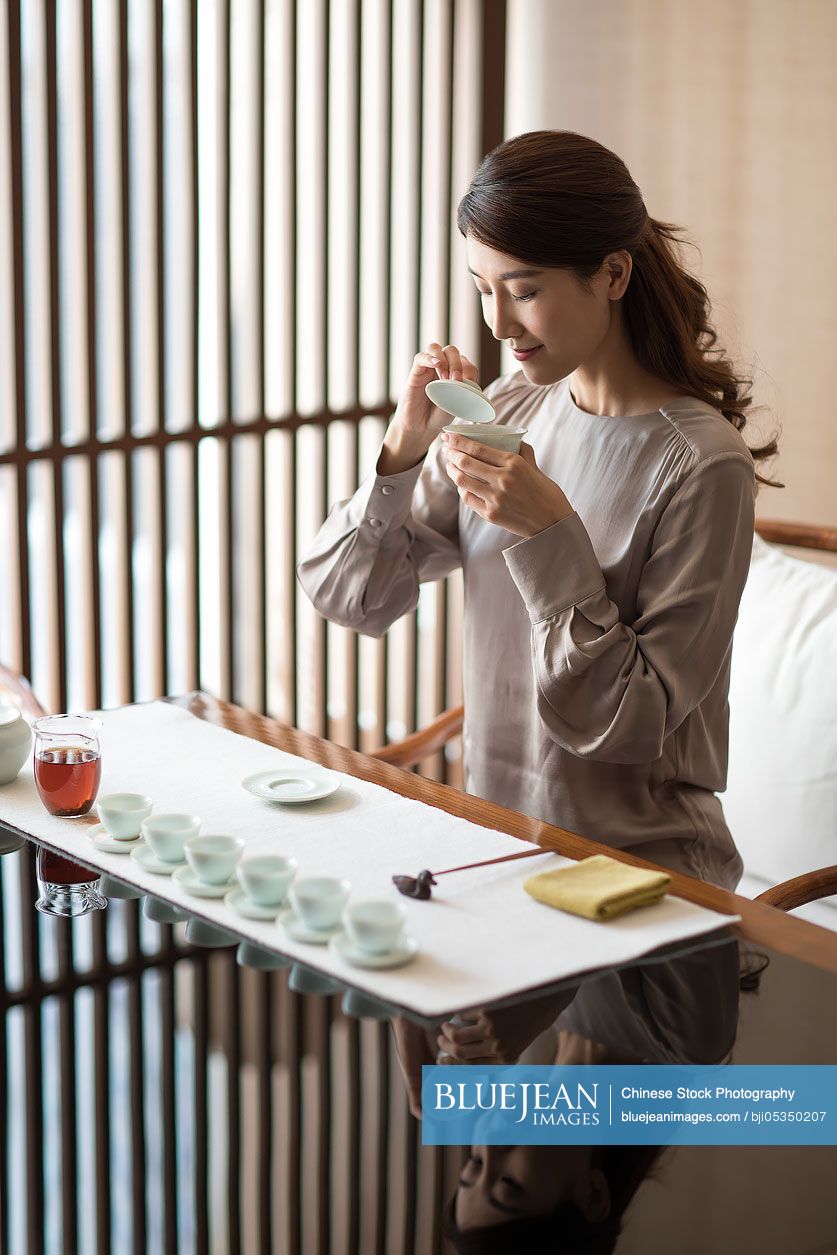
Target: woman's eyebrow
{"points": [[512, 274]]}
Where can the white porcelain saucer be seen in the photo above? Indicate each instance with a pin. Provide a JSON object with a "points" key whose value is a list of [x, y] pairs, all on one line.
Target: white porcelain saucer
{"points": [[406, 950], [113, 845], [190, 882], [295, 928], [148, 860], [237, 899], [305, 784]]}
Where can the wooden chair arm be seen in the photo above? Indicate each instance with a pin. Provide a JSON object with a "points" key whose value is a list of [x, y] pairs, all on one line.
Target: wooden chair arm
{"points": [[20, 690], [803, 535], [801, 889], [418, 745]]}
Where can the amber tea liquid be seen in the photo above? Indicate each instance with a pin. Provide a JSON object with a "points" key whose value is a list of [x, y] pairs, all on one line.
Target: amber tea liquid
{"points": [[68, 779]]}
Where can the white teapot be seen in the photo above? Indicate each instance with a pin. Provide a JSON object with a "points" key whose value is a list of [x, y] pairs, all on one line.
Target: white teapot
{"points": [[15, 743]]}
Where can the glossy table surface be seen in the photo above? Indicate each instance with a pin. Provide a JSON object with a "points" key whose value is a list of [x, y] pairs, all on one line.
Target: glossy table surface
{"points": [[169, 1088]]}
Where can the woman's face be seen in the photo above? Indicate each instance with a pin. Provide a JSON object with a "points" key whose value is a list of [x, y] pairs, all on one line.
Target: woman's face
{"points": [[504, 1183], [529, 307]]}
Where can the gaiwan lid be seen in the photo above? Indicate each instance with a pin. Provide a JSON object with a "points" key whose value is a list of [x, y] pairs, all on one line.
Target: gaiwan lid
{"points": [[8, 715], [462, 399]]}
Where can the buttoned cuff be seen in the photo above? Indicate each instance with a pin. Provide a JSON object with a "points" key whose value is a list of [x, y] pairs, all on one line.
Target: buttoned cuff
{"points": [[555, 569], [384, 501]]}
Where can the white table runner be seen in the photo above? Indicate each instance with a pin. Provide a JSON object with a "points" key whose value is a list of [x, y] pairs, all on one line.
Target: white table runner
{"points": [[482, 937]]}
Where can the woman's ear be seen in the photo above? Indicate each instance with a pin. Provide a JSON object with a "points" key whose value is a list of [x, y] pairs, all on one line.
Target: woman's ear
{"points": [[618, 266], [591, 1194]]}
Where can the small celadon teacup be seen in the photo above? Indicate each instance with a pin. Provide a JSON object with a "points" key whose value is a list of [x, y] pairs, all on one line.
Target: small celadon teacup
{"points": [[376, 927], [319, 900], [166, 835], [122, 814], [265, 878], [213, 857]]}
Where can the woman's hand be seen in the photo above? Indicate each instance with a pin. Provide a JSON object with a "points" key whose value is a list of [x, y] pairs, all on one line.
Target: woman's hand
{"points": [[416, 412], [417, 421], [506, 489], [501, 1036]]}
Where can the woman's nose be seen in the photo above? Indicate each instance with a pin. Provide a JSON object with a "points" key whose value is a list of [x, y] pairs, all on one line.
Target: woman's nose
{"points": [[504, 325]]}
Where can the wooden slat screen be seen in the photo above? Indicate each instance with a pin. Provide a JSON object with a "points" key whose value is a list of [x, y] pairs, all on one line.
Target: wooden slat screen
{"points": [[227, 227]]}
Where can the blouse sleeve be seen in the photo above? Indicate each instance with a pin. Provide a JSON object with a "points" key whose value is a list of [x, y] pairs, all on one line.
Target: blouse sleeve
{"points": [[365, 564], [615, 691]]}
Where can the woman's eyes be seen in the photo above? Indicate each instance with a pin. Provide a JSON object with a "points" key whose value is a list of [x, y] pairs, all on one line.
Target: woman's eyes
{"points": [[526, 297]]}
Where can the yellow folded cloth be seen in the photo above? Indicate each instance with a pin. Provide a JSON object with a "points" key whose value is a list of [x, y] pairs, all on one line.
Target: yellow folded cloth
{"points": [[598, 888]]}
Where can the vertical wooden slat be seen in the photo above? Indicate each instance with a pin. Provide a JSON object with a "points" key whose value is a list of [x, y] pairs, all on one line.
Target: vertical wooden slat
{"points": [[31, 964], [200, 988], [291, 109], [127, 349], [160, 231], [493, 90], [294, 1008], [233, 1105], [18, 252], [261, 460], [322, 1010], [92, 355], [4, 1083], [383, 1142], [136, 1080], [101, 1083], [194, 375], [58, 644], [354, 660], [264, 1062], [67, 1037], [227, 454], [353, 1102], [168, 1092], [322, 661]]}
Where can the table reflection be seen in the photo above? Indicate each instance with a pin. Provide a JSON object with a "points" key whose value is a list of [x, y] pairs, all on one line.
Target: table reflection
{"points": [[251, 1094]]}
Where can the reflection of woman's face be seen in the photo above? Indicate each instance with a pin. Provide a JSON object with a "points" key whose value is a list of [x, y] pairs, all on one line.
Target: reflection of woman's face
{"points": [[504, 1183]]}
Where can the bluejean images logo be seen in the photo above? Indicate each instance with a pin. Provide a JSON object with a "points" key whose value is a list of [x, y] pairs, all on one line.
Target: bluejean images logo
{"points": [[539, 1102], [584, 1104]]}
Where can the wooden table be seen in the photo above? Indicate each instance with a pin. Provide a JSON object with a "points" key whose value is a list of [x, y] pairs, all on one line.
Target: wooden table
{"points": [[759, 923]]}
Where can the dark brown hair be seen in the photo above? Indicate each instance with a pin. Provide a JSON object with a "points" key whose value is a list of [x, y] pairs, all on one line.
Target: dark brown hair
{"points": [[557, 199], [565, 1230]]}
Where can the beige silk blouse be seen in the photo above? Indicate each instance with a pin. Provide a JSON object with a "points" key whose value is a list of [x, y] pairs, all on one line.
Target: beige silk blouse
{"points": [[596, 653]]}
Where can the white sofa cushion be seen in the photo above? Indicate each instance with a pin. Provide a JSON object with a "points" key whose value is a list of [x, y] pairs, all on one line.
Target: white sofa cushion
{"points": [[781, 798]]}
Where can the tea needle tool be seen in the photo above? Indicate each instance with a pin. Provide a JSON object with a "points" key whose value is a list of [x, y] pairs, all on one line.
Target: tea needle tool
{"points": [[420, 886]]}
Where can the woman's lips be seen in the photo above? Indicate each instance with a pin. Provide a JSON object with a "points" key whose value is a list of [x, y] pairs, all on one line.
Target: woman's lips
{"points": [[524, 354]]}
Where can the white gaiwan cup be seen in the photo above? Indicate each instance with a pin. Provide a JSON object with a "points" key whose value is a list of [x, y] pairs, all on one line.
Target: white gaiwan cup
{"points": [[507, 439], [15, 743]]}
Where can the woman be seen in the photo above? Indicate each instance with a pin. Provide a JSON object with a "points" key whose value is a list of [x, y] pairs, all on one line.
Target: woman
{"points": [[604, 563]]}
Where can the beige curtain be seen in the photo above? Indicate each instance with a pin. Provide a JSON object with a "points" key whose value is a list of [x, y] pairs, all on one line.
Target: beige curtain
{"points": [[726, 115]]}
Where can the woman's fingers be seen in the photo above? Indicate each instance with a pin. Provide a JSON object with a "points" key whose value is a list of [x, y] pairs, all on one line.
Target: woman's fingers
{"points": [[447, 361]]}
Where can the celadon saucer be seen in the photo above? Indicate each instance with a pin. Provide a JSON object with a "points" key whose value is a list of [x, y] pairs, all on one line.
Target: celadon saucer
{"points": [[290, 787], [102, 840], [149, 861], [190, 882], [295, 928], [343, 947], [238, 901]]}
